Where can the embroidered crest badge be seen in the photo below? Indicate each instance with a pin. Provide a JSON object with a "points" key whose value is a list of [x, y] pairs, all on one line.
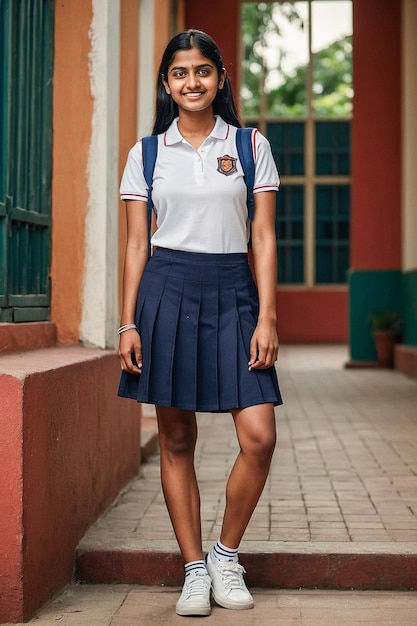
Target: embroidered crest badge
{"points": [[226, 165]]}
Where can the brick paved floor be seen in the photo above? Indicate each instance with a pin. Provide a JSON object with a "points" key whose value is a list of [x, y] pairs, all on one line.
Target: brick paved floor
{"points": [[344, 472], [129, 605]]}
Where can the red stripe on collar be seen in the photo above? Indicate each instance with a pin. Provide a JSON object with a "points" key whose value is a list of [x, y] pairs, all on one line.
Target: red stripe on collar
{"points": [[255, 132]]}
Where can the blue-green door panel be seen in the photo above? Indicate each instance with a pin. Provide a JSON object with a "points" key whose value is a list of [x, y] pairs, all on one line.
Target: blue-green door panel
{"points": [[27, 32]]}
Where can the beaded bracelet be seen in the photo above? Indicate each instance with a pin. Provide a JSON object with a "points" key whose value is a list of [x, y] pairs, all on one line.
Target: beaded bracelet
{"points": [[122, 329]]}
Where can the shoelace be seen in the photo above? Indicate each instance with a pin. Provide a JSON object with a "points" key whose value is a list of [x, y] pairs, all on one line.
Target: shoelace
{"points": [[196, 586], [232, 575]]}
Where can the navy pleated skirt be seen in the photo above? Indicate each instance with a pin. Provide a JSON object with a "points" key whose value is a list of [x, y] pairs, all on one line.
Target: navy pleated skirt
{"points": [[196, 314]]}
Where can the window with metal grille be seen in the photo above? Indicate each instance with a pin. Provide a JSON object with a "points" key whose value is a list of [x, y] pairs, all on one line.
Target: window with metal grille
{"points": [[26, 41], [296, 86], [332, 233], [290, 234]]}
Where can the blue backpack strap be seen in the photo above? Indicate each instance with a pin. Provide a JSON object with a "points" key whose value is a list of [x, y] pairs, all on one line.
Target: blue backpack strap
{"points": [[245, 152], [149, 154]]}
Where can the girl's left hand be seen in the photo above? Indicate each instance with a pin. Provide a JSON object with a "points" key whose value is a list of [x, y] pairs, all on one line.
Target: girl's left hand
{"points": [[263, 346]]}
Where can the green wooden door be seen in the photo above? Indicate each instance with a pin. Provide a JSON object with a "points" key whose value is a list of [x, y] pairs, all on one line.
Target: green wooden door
{"points": [[26, 49]]}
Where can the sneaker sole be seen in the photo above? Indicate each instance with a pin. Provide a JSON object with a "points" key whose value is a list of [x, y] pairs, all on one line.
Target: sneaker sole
{"points": [[242, 606], [198, 612]]}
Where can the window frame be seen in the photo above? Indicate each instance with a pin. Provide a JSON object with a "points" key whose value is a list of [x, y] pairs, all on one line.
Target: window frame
{"points": [[310, 180]]}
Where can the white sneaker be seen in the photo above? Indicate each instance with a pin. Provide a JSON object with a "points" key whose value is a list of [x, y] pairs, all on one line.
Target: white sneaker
{"points": [[229, 589], [195, 596]]}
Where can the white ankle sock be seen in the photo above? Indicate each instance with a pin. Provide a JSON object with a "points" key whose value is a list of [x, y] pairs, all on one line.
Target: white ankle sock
{"points": [[195, 568], [222, 553]]}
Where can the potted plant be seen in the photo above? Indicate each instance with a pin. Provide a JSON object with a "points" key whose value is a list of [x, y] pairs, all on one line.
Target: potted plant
{"points": [[387, 327]]}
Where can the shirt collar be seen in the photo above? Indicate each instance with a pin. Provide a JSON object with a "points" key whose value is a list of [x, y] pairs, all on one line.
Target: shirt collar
{"points": [[173, 135]]}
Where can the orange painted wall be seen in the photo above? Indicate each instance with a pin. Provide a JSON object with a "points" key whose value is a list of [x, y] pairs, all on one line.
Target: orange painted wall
{"points": [[128, 108], [72, 113], [164, 23], [376, 135]]}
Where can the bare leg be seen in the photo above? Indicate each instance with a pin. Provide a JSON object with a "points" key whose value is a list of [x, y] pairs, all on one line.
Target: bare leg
{"points": [[177, 439], [255, 428]]}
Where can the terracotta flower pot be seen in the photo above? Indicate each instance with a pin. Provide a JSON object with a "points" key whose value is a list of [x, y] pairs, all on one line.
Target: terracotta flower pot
{"points": [[384, 344]]}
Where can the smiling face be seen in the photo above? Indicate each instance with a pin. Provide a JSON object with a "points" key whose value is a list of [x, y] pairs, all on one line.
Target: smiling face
{"points": [[192, 80]]}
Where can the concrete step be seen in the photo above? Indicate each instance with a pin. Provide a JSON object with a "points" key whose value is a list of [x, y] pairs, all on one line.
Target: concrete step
{"points": [[328, 566]]}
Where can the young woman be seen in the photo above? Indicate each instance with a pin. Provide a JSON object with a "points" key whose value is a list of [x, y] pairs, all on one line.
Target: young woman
{"points": [[196, 334]]}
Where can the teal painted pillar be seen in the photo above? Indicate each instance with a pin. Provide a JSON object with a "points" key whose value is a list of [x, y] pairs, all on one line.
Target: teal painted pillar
{"points": [[370, 291]]}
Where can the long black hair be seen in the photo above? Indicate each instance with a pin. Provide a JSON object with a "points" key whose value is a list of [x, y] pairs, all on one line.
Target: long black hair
{"points": [[166, 108]]}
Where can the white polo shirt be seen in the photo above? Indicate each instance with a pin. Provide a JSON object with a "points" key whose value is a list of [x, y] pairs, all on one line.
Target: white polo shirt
{"points": [[200, 195]]}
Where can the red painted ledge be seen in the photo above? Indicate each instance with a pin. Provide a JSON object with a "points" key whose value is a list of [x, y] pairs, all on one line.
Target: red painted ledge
{"points": [[27, 336], [405, 359], [68, 446], [290, 570]]}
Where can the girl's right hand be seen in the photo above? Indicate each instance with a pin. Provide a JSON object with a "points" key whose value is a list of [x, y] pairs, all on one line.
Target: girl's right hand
{"points": [[129, 346]]}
